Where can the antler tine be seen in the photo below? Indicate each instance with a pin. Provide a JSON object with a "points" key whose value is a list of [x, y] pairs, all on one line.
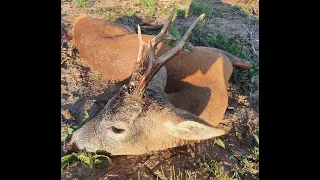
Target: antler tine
{"points": [[155, 63], [135, 74], [140, 43], [172, 52], [164, 31]]}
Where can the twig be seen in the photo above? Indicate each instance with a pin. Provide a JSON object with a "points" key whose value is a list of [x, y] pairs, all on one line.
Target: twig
{"points": [[154, 27], [145, 32], [91, 175], [109, 175], [246, 28], [251, 38]]}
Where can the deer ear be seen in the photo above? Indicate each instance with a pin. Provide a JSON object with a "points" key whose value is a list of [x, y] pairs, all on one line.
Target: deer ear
{"points": [[190, 127]]}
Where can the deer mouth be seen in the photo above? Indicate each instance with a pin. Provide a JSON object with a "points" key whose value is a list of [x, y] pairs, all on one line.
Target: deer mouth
{"points": [[70, 146]]}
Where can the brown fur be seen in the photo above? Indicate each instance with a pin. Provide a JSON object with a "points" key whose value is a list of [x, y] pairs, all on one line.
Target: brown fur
{"points": [[197, 80]]}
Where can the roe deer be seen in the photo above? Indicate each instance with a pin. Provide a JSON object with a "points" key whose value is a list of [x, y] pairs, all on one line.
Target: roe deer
{"points": [[142, 117]]}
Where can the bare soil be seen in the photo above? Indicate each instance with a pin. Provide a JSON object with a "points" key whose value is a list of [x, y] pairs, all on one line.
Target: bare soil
{"points": [[84, 89]]}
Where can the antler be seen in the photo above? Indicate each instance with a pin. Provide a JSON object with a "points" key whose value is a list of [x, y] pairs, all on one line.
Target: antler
{"points": [[148, 61]]}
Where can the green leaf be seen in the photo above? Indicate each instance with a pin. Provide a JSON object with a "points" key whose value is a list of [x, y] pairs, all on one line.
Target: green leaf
{"points": [[220, 143], [91, 160], [86, 115], [186, 47], [63, 137], [84, 158], [101, 161], [68, 159], [70, 130], [175, 32], [245, 161], [256, 137]]}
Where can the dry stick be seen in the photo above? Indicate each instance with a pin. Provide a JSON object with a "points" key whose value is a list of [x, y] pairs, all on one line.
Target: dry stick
{"points": [[251, 43], [109, 175], [153, 27], [251, 39], [91, 175]]}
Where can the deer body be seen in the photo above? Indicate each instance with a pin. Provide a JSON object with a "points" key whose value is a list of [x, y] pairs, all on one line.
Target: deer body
{"points": [[147, 118], [110, 49]]}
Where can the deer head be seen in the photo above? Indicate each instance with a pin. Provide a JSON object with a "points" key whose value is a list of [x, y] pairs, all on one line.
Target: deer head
{"points": [[139, 118]]}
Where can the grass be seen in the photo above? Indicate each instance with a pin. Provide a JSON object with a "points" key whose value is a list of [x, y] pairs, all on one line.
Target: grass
{"points": [[215, 168], [83, 3], [112, 13], [181, 12], [249, 165], [177, 175], [176, 32], [235, 45], [151, 5], [246, 9], [198, 7], [131, 12], [109, 18]]}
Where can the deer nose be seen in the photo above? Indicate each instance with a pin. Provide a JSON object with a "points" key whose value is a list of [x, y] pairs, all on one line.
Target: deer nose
{"points": [[70, 145]]}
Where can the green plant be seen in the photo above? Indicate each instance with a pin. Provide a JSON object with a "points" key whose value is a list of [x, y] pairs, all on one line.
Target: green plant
{"points": [[220, 143], [69, 160], [150, 12], [177, 32], [181, 13], [198, 7], [68, 132], [82, 3], [246, 9], [63, 137], [239, 47], [85, 120], [215, 168], [131, 12], [255, 151], [178, 175], [95, 161], [148, 3], [248, 167], [256, 138]]}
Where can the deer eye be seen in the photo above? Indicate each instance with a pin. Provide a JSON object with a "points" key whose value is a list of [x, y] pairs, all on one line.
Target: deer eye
{"points": [[117, 130]]}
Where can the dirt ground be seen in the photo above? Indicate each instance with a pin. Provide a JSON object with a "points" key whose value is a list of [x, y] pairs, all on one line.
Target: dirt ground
{"points": [[85, 90]]}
